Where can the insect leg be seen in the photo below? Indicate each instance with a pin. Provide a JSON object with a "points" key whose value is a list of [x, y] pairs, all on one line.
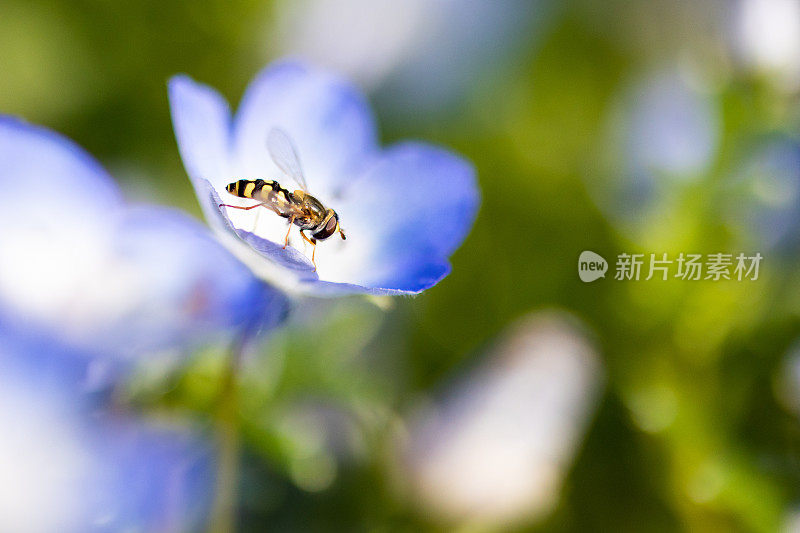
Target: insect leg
{"points": [[240, 207], [313, 243], [286, 242]]}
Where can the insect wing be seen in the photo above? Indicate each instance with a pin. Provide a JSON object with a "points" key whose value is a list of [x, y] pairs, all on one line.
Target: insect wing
{"points": [[282, 152], [278, 202]]}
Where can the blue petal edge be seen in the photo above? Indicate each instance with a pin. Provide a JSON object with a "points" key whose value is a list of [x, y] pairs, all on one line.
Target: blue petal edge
{"points": [[438, 271], [201, 119]]}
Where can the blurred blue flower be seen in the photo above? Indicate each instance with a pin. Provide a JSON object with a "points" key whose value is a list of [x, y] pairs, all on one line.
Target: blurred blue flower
{"points": [[105, 276], [663, 136], [494, 449], [405, 209], [672, 131], [762, 200], [68, 464], [429, 56]]}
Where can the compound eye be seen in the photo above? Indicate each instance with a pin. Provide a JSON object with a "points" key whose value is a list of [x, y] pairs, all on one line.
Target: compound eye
{"points": [[330, 227], [328, 230]]}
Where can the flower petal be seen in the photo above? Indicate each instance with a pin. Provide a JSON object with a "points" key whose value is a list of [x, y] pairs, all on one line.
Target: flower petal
{"points": [[426, 196], [408, 278], [201, 118], [40, 169], [79, 263], [420, 201], [82, 459], [328, 120], [218, 218], [288, 257], [151, 477], [191, 288]]}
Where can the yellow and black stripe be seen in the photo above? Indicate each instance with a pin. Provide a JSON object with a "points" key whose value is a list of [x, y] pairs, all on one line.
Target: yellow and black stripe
{"points": [[253, 189]]}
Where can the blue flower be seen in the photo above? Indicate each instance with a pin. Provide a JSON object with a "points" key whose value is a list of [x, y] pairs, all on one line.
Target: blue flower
{"points": [[762, 198], [104, 275], [70, 464], [663, 135], [405, 208]]}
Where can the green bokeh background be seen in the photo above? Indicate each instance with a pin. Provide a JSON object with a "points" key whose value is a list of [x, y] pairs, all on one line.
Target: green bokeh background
{"points": [[690, 433]]}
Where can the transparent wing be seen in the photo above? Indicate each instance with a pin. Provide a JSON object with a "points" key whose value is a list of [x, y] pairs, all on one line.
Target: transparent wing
{"points": [[282, 152]]}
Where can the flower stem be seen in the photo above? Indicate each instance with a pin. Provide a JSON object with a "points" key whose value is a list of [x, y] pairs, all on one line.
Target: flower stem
{"points": [[223, 513]]}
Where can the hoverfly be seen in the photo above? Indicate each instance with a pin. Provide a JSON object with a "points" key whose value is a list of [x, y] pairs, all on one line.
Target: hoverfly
{"points": [[299, 207]]}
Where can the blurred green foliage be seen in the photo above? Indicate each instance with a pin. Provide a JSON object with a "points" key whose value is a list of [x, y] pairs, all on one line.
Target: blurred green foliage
{"points": [[690, 434]]}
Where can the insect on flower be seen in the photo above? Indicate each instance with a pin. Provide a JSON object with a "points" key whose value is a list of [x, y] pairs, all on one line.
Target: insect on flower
{"points": [[302, 209], [400, 234]]}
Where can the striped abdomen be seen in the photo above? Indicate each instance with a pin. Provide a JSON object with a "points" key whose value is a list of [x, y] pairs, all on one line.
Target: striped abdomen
{"points": [[268, 192], [257, 189]]}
